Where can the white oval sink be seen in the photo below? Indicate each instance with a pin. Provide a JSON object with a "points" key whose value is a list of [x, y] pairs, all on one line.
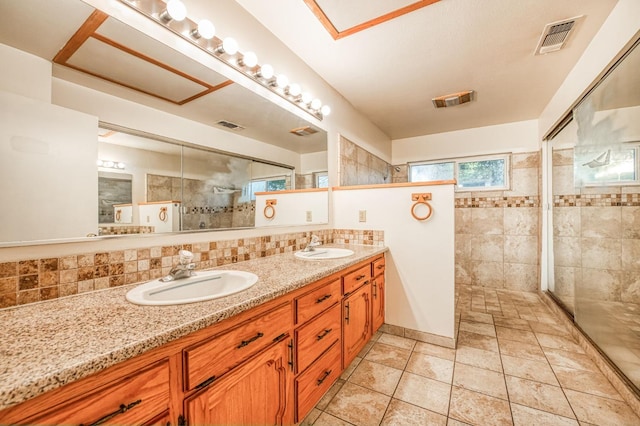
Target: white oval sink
{"points": [[324, 253], [205, 285]]}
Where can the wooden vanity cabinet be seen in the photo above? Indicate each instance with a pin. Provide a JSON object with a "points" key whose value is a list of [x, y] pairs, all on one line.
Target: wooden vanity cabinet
{"points": [[377, 293], [268, 365]]}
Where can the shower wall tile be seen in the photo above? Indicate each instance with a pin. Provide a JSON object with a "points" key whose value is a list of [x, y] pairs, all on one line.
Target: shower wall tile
{"points": [[600, 284], [487, 248], [566, 222], [487, 274], [565, 278], [630, 218], [601, 222], [527, 160], [567, 251], [463, 221], [522, 221], [524, 182], [521, 249], [630, 287], [563, 180], [487, 221], [601, 253], [631, 255], [360, 167], [521, 277]]}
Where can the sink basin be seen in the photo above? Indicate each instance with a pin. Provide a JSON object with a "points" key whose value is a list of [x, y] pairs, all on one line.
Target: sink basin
{"points": [[206, 285], [324, 253]]}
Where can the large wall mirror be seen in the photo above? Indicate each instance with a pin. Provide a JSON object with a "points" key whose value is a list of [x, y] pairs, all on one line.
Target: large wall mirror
{"points": [[124, 181]]}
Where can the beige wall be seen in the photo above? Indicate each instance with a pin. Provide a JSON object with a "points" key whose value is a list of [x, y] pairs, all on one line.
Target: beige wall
{"points": [[498, 233], [360, 167]]}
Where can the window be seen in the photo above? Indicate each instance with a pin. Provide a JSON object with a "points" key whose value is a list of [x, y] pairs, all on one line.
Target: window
{"points": [[321, 179], [607, 166], [263, 185], [477, 173]]}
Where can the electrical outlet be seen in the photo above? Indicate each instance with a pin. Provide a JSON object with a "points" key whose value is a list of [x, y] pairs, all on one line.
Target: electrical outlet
{"points": [[309, 216], [363, 216]]}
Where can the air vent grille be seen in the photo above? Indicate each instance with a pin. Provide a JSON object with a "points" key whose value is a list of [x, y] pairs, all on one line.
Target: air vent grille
{"points": [[453, 99], [555, 35], [303, 131], [229, 125]]}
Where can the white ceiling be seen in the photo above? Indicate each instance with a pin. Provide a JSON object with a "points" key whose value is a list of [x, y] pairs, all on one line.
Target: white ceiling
{"points": [[391, 71]]}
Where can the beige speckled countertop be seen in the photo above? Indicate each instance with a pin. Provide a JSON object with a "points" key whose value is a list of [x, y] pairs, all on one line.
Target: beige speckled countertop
{"points": [[49, 344]]}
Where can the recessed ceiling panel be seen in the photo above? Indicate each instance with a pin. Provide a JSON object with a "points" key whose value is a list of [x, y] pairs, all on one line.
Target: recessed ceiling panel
{"points": [[113, 64], [346, 14], [135, 40]]}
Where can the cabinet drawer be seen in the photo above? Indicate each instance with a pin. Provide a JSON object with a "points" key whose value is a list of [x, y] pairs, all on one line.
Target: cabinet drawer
{"points": [[356, 278], [314, 338], [214, 357], [377, 267], [311, 304], [135, 399], [313, 383]]}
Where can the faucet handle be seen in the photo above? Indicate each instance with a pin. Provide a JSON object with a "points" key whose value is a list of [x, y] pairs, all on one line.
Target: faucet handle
{"points": [[185, 257]]}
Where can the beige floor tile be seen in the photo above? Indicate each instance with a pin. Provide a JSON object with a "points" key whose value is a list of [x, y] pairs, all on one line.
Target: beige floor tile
{"points": [[538, 395], [401, 413], [454, 422], [478, 409], [400, 342], [556, 329], [527, 416], [521, 350], [569, 359], [358, 405], [478, 341], [311, 417], [326, 419], [377, 377], [586, 381], [388, 355], [365, 350], [516, 335], [477, 317], [350, 368], [480, 380], [479, 328], [601, 411], [538, 371], [431, 367], [424, 392], [558, 342], [327, 397], [479, 358], [435, 350]]}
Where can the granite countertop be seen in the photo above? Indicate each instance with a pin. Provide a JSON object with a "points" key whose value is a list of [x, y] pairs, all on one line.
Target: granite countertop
{"points": [[49, 344]]}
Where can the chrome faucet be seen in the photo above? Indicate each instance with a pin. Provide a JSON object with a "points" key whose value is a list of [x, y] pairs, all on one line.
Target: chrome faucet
{"points": [[184, 269], [315, 241]]}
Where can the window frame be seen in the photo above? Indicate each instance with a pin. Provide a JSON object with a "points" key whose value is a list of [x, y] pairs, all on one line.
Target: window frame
{"points": [[506, 157], [633, 145]]}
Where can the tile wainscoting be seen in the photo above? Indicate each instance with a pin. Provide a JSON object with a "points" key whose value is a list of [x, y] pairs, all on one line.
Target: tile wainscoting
{"points": [[33, 280]]}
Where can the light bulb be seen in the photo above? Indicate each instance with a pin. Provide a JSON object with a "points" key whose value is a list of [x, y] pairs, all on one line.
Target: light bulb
{"points": [[99, 163], [282, 80], [294, 90], [205, 30], [325, 110], [306, 97], [249, 60], [230, 46], [316, 104], [108, 164], [176, 10], [266, 71], [120, 166]]}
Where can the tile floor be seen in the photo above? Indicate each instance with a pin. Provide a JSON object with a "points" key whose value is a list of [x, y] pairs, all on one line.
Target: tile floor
{"points": [[515, 364]]}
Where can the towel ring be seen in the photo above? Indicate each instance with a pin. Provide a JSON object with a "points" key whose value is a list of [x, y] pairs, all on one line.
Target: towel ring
{"points": [[270, 211], [421, 199], [118, 215], [163, 214]]}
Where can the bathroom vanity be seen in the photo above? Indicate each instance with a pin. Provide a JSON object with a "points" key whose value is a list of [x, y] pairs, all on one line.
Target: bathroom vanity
{"points": [[264, 356]]}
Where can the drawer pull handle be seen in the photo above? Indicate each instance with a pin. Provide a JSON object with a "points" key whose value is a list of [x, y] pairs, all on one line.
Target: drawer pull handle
{"points": [[324, 333], [253, 339], [375, 289], [290, 362], [323, 298], [346, 307], [123, 408], [359, 277], [380, 266], [324, 377]]}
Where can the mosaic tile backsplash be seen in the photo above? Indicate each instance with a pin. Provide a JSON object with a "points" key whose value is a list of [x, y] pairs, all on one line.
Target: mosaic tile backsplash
{"points": [[34, 280]]}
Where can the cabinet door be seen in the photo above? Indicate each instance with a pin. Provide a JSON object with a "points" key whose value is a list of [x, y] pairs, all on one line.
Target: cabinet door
{"points": [[356, 323], [377, 302], [257, 392]]}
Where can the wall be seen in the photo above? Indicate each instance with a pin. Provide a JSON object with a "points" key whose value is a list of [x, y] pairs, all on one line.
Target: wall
{"points": [[292, 208], [360, 167], [420, 261], [24, 74]]}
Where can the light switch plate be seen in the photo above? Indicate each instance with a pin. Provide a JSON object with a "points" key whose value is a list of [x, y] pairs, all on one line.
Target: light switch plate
{"points": [[309, 216], [363, 216]]}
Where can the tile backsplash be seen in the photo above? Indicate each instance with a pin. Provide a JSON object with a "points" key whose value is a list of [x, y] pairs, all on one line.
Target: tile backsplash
{"points": [[33, 280]]}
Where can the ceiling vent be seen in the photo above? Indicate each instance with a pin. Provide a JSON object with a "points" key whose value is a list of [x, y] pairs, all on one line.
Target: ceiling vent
{"points": [[453, 99], [555, 35], [229, 125], [303, 131]]}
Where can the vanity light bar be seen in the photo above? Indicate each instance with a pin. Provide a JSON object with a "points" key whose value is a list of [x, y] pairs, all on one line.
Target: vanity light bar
{"points": [[173, 16], [108, 164]]}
